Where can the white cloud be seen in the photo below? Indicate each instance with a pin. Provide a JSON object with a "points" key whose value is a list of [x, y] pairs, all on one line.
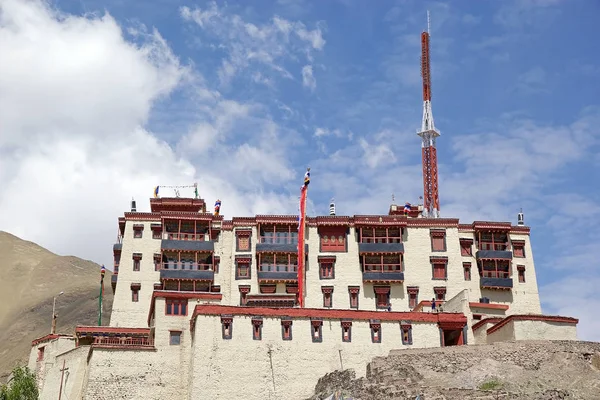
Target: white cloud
{"points": [[247, 44], [308, 79], [74, 99]]}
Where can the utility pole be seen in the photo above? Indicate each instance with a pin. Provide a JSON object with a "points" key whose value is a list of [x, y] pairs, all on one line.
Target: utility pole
{"points": [[62, 376]]}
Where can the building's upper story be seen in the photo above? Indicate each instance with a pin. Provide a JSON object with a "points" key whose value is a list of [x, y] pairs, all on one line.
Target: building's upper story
{"points": [[352, 262]]}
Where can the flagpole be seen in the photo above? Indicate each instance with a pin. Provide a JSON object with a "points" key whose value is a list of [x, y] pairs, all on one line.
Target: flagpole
{"points": [[102, 272]]}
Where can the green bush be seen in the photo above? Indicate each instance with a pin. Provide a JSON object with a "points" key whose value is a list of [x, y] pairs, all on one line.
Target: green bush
{"points": [[22, 386]]}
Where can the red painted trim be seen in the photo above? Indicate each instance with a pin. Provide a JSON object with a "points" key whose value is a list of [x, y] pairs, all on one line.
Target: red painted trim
{"points": [[544, 318], [167, 294], [483, 225], [489, 306], [493, 320], [440, 318], [427, 303], [48, 338], [111, 329]]}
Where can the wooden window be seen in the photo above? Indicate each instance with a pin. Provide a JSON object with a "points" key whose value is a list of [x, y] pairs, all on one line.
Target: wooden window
{"points": [[216, 264], [382, 263], [375, 331], [438, 240], [278, 262], [346, 331], [380, 235], [382, 297], [413, 296], [467, 271], [244, 290], [439, 269], [215, 289], [495, 268], [406, 330], [326, 267], [257, 324], [176, 307], [227, 326], [521, 270], [40, 354], [137, 258], [135, 292], [279, 234], [157, 262], [518, 249], [286, 329], [156, 231], [267, 289], [477, 317], [466, 247], [242, 269], [497, 241], [327, 296], [333, 239], [138, 231], [316, 330], [440, 293], [243, 240], [353, 292], [175, 338]]}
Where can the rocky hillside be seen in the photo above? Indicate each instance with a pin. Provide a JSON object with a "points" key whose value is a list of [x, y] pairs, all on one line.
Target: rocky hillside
{"points": [[521, 370], [29, 278]]}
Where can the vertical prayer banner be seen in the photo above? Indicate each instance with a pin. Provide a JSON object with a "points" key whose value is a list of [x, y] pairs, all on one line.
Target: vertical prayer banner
{"points": [[301, 227]]}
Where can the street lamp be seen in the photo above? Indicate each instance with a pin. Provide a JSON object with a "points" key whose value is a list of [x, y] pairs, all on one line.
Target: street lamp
{"points": [[53, 328]]}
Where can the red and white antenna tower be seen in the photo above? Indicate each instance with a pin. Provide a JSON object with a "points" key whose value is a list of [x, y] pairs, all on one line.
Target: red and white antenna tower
{"points": [[431, 199]]}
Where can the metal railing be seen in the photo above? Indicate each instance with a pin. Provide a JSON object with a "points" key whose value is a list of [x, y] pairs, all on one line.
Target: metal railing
{"points": [[187, 266], [265, 267], [124, 341], [279, 239], [185, 236], [382, 267], [380, 239]]}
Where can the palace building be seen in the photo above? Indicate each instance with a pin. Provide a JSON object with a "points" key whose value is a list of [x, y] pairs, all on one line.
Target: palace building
{"points": [[206, 307]]}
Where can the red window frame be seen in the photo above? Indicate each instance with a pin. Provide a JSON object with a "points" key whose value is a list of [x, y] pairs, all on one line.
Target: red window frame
{"points": [[257, 324], [495, 268], [440, 293], [286, 329], [521, 271], [440, 270], [333, 240], [497, 241], [382, 297], [380, 234], [135, 294], [466, 247], [178, 307], [518, 249], [467, 271], [242, 238], [413, 296], [353, 292], [346, 331], [438, 240], [327, 296]]}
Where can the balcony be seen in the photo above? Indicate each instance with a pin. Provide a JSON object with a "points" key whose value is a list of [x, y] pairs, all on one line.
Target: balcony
{"points": [[187, 245], [271, 300], [496, 283], [383, 277], [268, 273], [279, 244], [201, 272], [397, 247], [117, 246], [494, 255]]}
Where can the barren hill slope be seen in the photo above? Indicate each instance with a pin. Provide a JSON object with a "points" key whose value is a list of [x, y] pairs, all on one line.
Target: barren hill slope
{"points": [[536, 370], [30, 276]]}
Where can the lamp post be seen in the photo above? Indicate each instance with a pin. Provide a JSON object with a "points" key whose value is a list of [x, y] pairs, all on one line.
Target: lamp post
{"points": [[53, 329]]}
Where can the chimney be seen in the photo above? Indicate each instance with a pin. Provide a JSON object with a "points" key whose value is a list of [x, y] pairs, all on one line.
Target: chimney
{"points": [[133, 207]]}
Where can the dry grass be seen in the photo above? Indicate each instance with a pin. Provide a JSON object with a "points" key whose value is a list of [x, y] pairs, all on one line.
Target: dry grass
{"points": [[29, 278]]}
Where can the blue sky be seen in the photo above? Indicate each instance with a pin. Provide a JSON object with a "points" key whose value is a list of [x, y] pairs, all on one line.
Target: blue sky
{"points": [[103, 100]]}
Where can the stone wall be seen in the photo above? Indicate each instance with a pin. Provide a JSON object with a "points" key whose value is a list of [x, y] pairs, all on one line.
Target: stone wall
{"points": [[274, 368]]}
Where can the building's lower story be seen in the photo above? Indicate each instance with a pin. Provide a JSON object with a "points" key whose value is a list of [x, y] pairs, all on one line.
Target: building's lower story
{"points": [[228, 352]]}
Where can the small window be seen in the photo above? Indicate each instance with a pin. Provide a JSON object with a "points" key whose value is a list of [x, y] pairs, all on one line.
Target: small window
{"points": [[175, 307], [519, 249], [327, 296], [406, 330], [333, 240], [156, 234], [353, 291], [257, 328], [413, 296], [375, 331], [175, 338], [439, 270], [438, 240], [40, 355], [138, 230], [317, 330], [346, 331], [382, 297], [243, 240], [135, 295], [244, 290], [157, 262], [326, 270], [467, 271], [440, 293], [227, 327], [243, 269], [466, 248], [286, 329], [521, 270]]}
